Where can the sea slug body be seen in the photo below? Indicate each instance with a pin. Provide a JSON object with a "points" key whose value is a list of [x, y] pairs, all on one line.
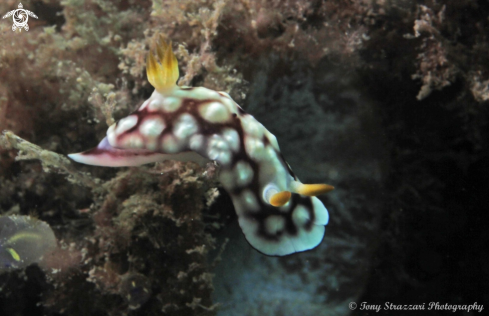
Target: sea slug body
{"points": [[277, 213]]}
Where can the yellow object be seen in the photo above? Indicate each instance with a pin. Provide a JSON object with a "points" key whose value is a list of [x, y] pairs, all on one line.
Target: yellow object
{"points": [[279, 199], [24, 236], [162, 74], [314, 189], [14, 254]]}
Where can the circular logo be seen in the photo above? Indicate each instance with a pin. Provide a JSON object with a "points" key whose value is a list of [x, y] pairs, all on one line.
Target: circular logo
{"points": [[20, 18]]}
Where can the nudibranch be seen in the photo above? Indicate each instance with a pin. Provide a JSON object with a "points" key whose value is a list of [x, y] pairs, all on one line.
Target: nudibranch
{"points": [[277, 213]]}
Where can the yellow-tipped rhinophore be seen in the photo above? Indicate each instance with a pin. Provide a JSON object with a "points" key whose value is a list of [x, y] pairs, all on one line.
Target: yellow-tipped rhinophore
{"points": [[313, 189], [279, 199], [162, 74]]}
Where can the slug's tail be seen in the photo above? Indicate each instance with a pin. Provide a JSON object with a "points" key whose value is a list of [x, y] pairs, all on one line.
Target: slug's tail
{"points": [[295, 227]]}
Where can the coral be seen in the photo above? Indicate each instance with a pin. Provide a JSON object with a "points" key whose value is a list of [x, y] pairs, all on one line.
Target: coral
{"points": [[145, 234], [433, 67], [133, 232], [450, 49], [49, 160]]}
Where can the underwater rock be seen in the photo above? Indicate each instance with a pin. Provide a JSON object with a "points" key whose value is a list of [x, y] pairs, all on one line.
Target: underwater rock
{"points": [[23, 240]]}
